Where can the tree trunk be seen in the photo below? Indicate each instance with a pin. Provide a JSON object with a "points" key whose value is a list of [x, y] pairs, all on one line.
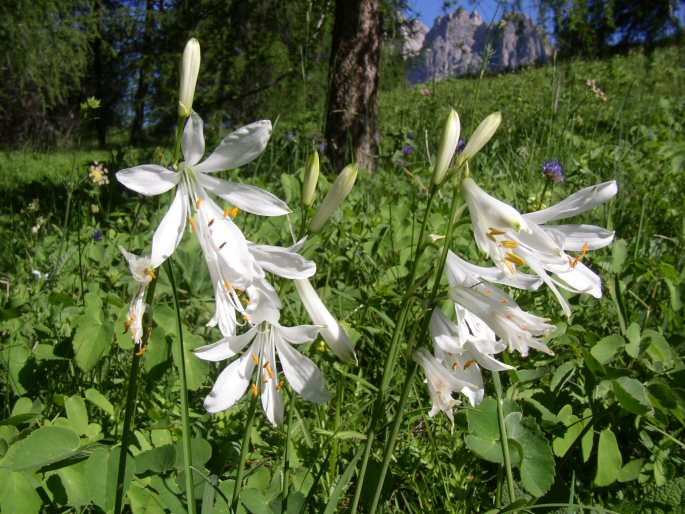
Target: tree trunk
{"points": [[141, 91], [352, 113]]}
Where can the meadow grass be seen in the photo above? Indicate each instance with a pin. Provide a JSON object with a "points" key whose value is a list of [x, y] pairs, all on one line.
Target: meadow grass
{"points": [[609, 399]]}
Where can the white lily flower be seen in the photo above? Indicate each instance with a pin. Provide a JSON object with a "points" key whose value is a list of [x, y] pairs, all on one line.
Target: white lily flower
{"points": [[194, 177], [143, 274], [268, 338], [331, 331], [441, 383], [511, 239], [140, 267]]}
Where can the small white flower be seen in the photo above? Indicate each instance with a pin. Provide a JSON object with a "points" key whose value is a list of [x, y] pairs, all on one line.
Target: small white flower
{"points": [[441, 383]]}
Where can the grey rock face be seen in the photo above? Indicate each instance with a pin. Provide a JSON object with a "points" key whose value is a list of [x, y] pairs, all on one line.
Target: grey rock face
{"points": [[456, 46]]}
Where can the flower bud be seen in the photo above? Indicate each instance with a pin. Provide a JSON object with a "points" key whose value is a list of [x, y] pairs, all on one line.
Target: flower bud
{"points": [[339, 191], [190, 67], [448, 145], [481, 136], [311, 177], [431, 239]]}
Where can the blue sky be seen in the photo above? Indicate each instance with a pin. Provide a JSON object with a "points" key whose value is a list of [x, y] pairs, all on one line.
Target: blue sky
{"points": [[428, 10]]}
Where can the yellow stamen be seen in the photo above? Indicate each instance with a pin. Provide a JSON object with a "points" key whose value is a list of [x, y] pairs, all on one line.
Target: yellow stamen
{"points": [[246, 301], [268, 370], [150, 273], [227, 284], [279, 385], [514, 259], [503, 301], [468, 363], [255, 391], [254, 359], [486, 292], [127, 325], [234, 212], [227, 210], [508, 243], [222, 245], [573, 263], [455, 364], [210, 223], [197, 204], [265, 381], [246, 318], [192, 224], [495, 232], [141, 351]]}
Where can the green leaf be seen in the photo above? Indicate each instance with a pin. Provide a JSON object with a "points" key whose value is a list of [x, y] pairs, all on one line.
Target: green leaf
{"points": [[633, 334], [631, 471], [619, 254], [77, 414], [609, 460], [537, 464], [94, 334], [20, 418], [99, 400], [574, 427], [42, 447], [605, 349], [483, 438], [254, 501], [158, 460], [75, 483], [17, 494], [632, 395], [200, 453], [196, 369], [102, 468]]}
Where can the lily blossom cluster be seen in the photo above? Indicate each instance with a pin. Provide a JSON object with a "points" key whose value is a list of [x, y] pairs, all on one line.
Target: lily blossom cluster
{"points": [[247, 305], [488, 320]]}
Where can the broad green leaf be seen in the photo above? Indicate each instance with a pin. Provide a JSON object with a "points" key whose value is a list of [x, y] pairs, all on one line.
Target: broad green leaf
{"points": [[254, 501], [75, 483], [200, 453], [157, 357], [196, 369], [574, 427], [99, 400], [588, 440], [77, 414], [593, 364], [17, 494], [659, 351], [16, 355], [609, 460], [102, 468], [632, 396], [631, 471], [44, 446], [633, 334], [606, 349], [94, 334], [483, 438], [144, 500], [20, 418], [619, 254], [122, 337], [537, 464], [158, 460]]}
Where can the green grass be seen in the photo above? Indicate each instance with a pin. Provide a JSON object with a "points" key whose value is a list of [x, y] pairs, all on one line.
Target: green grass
{"points": [[616, 375]]}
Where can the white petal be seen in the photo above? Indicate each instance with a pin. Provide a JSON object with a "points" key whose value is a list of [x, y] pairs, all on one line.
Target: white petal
{"points": [[193, 141], [485, 360], [302, 374], [170, 230], [282, 262], [444, 332], [332, 332], [272, 398], [574, 237], [238, 148], [248, 198], [148, 179], [463, 273], [577, 203], [230, 385], [583, 279], [300, 334], [226, 347]]}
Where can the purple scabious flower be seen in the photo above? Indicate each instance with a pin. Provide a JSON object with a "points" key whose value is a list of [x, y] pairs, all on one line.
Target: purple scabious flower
{"points": [[553, 171], [461, 144], [321, 147], [97, 235], [407, 149], [289, 136]]}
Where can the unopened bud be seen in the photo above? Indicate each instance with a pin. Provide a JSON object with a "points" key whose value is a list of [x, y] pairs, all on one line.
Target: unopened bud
{"points": [[339, 191], [190, 67], [481, 136], [448, 145], [431, 239], [311, 177]]}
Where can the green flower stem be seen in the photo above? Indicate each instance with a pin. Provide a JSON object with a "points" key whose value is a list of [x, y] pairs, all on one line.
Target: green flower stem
{"points": [[286, 456], [455, 212], [503, 437], [244, 449], [185, 417], [179, 137], [392, 354], [130, 408]]}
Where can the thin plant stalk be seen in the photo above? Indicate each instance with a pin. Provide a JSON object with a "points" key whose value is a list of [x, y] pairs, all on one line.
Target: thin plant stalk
{"points": [[503, 437], [390, 444], [244, 450], [392, 354], [130, 408], [185, 416], [286, 455]]}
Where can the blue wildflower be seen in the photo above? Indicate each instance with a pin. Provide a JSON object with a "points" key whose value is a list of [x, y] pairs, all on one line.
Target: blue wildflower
{"points": [[97, 235], [407, 149], [553, 171], [461, 144]]}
